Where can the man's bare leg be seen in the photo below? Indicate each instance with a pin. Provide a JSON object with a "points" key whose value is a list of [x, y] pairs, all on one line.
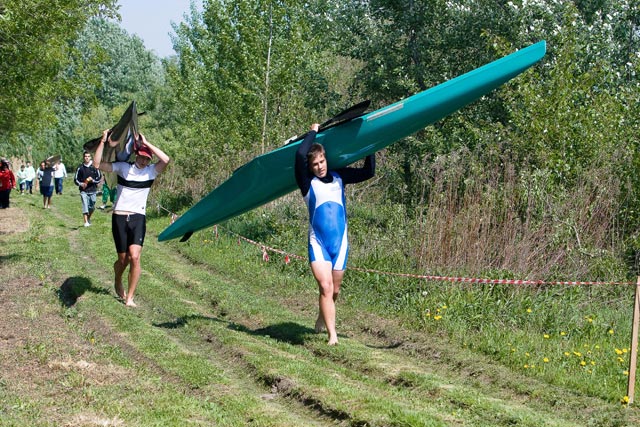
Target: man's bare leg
{"points": [[337, 281], [327, 308], [118, 268], [134, 273]]}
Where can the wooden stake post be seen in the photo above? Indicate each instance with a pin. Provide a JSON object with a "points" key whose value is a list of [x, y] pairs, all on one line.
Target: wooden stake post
{"points": [[633, 362]]}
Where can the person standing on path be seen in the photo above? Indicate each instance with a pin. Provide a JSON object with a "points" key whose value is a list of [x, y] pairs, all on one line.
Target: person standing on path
{"points": [[323, 193], [129, 221], [87, 178], [45, 177], [22, 178], [31, 175], [60, 174], [7, 183]]}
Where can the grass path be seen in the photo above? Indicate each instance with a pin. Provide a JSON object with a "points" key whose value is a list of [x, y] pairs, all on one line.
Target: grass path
{"points": [[221, 338]]}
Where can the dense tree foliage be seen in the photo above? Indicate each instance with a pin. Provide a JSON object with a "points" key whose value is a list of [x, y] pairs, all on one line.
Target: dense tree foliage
{"points": [[35, 38], [248, 74]]}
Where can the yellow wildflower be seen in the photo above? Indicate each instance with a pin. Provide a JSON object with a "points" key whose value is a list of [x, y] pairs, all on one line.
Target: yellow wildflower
{"points": [[546, 336], [545, 360]]}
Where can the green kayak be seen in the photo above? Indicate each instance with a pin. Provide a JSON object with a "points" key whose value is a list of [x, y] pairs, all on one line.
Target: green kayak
{"points": [[348, 142]]}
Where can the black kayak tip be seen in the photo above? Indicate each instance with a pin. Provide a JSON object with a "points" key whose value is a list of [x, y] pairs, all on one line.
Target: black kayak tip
{"points": [[186, 236]]}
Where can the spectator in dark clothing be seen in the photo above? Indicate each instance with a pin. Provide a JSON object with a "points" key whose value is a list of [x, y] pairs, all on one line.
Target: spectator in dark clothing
{"points": [[87, 179], [45, 177]]}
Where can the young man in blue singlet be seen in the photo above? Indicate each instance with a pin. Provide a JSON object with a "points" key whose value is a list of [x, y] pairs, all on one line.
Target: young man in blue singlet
{"points": [[323, 192], [128, 222]]}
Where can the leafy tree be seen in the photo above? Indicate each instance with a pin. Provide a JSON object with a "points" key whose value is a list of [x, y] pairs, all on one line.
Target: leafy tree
{"points": [[108, 68], [238, 64], [409, 46], [114, 64], [34, 51]]}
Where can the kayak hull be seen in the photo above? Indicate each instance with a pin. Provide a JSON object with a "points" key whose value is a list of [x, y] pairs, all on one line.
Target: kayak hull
{"points": [[349, 142]]}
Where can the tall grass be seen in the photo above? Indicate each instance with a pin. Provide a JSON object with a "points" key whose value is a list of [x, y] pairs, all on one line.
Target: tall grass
{"points": [[480, 216]]}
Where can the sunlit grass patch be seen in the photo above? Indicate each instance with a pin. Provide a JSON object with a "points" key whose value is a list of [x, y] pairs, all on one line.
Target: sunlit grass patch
{"points": [[563, 335]]}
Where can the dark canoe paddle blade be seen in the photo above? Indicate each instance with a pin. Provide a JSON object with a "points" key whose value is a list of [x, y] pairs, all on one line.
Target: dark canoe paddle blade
{"points": [[128, 122], [186, 236], [126, 126], [53, 159], [123, 141], [346, 115], [350, 113], [92, 144]]}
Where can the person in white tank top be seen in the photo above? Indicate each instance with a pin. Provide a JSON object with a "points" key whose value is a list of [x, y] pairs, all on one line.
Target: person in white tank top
{"points": [[128, 224]]}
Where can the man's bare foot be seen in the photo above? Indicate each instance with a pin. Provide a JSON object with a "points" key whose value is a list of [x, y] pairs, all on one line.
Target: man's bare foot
{"points": [[332, 341], [319, 325], [120, 291], [130, 304]]}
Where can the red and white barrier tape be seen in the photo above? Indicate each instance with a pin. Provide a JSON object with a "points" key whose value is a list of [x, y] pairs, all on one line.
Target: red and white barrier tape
{"points": [[265, 248], [265, 257], [287, 259]]}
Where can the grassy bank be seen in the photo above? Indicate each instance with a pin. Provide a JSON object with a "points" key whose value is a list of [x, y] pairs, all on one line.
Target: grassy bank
{"points": [[221, 337], [576, 336]]}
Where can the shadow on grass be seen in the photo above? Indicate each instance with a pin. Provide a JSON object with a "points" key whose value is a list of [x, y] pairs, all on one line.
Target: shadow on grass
{"points": [[74, 287], [391, 346], [10, 257], [289, 332]]}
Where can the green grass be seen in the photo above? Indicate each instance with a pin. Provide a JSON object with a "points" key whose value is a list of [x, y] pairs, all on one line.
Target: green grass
{"points": [[574, 336], [222, 338]]}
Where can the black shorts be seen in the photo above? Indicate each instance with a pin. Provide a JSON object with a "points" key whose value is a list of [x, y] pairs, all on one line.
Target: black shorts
{"points": [[128, 230]]}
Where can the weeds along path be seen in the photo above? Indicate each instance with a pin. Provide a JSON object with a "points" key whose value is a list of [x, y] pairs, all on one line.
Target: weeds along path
{"points": [[220, 338]]}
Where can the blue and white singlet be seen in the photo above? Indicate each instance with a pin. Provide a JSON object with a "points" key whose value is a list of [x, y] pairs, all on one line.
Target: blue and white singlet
{"points": [[327, 222], [326, 204]]}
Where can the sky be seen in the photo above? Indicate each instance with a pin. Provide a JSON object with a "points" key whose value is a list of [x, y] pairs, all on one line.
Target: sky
{"points": [[151, 21]]}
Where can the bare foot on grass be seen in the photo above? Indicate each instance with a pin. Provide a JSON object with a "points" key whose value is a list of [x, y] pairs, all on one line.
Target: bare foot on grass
{"points": [[319, 325], [120, 291]]}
